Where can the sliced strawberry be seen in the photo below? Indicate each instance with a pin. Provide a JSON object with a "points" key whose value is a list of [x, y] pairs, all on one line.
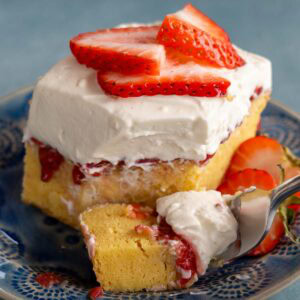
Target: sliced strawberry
{"points": [[264, 181], [261, 153], [194, 34], [131, 50], [174, 79], [246, 178], [272, 238]]}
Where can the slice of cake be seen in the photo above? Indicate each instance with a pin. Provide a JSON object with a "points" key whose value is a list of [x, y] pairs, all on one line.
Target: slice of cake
{"points": [[124, 136], [132, 250]]}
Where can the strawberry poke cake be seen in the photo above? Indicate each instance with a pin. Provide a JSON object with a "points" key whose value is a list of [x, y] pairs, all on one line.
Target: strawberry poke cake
{"points": [[141, 112]]}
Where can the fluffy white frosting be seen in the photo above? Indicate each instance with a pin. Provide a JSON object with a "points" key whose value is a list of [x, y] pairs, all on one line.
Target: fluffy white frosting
{"points": [[71, 113], [203, 219]]}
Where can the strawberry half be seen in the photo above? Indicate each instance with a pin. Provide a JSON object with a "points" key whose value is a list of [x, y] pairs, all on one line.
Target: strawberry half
{"points": [[262, 180], [246, 178], [128, 51], [261, 153], [174, 79], [194, 34]]}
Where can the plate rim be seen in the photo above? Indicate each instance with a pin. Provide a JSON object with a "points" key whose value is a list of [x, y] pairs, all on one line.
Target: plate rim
{"points": [[272, 290]]}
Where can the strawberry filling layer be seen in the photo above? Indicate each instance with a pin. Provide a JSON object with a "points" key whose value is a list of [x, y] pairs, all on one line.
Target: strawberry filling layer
{"points": [[51, 159], [186, 266]]}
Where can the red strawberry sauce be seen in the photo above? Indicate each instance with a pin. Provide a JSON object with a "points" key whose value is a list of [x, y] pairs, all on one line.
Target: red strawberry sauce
{"points": [[185, 256], [77, 174], [48, 279], [50, 160], [95, 293]]}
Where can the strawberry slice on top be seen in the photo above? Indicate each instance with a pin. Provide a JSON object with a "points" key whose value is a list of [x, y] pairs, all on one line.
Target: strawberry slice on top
{"points": [[128, 51], [174, 79], [194, 34]]}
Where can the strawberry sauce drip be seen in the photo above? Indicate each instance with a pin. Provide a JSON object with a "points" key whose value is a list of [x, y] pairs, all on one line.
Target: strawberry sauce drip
{"points": [[104, 166], [185, 256], [95, 293], [48, 279], [77, 174], [50, 160], [150, 161]]}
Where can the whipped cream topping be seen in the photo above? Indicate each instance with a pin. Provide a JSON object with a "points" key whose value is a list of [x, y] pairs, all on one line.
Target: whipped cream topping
{"points": [[203, 219], [71, 113]]}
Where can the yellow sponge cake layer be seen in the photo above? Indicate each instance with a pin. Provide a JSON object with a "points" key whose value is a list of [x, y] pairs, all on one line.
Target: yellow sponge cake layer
{"points": [[124, 260], [64, 200]]}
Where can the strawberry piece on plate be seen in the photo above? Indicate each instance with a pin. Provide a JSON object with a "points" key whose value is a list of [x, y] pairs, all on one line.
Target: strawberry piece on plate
{"points": [[261, 153], [127, 51], [48, 279], [194, 34], [246, 178], [174, 79], [264, 181], [95, 293]]}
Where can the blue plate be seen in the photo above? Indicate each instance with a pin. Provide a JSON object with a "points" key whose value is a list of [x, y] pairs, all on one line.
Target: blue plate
{"points": [[32, 243]]}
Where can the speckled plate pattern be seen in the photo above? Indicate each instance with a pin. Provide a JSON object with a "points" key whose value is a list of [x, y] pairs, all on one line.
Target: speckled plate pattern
{"points": [[32, 243]]}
